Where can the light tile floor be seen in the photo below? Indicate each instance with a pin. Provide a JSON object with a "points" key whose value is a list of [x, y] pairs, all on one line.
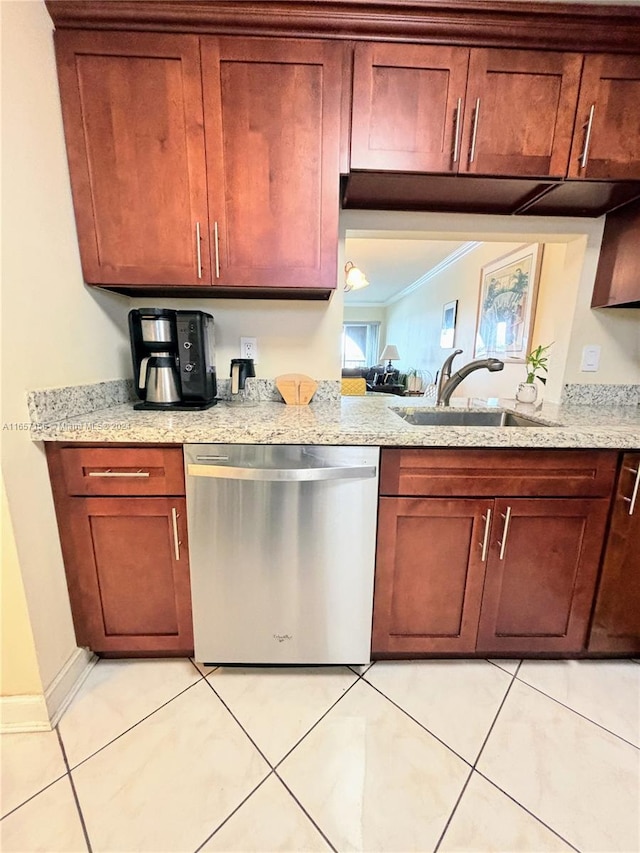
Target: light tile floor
{"points": [[472, 756]]}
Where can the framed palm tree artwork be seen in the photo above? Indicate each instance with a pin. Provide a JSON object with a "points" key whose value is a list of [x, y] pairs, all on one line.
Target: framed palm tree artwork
{"points": [[507, 302]]}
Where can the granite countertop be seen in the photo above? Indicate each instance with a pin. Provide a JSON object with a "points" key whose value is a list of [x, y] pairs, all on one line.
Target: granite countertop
{"points": [[365, 420]]}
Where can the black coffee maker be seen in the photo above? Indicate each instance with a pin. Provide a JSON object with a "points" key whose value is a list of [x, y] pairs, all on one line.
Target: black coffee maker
{"points": [[173, 359]]}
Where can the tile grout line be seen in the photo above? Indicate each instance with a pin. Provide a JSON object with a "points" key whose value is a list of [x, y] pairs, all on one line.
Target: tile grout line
{"points": [[33, 796], [296, 800], [583, 716], [473, 766], [75, 793], [417, 722], [126, 731], [231, 814], [528, 811]]}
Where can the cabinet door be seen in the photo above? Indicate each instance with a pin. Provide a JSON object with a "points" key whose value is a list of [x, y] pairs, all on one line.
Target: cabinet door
{"points": [[616, 622], [132, 109], [429, 575], [607, 138], [407, 107], [127, 567], [618, 277], [541, 575], [519, 114], [272, 116]]}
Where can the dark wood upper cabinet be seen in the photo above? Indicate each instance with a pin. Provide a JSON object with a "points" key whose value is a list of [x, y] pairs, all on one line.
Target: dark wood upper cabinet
{"points": [[132, 110], [606, 144], [616, 621], [519, 112], [272, 117], [407, 107], [618, 276], [418, 108]]}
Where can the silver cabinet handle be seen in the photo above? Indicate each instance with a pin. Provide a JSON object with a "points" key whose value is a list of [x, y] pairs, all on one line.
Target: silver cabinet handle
{"points": [[216, 248], [505, 532], [456, 133], [485, 539], [210, 458], [587, 138], [176, 540], [474, 132], [636, 487], [291, 475], [110, 473], [198, 250]]}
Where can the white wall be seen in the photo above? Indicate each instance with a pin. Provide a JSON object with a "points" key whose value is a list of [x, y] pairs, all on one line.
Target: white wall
{"points": [[293, 336], [54, 330]]}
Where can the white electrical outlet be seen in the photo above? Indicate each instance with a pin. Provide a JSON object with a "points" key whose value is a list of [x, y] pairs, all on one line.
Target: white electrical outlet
{"points": [[590, 358], [249, 348]]}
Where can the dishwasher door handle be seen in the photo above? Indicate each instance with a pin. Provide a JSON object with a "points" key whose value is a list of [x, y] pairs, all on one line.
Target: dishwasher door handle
{"points": [[283, 475]]}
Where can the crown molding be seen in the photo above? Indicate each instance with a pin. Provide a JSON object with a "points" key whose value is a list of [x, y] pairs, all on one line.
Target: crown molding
{"points": [[501, 23]]}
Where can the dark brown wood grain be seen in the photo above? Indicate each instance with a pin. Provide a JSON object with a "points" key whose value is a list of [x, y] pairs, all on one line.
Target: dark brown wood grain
{"points": [[618, 276], [429, 576], [538, 595], [468, 22], [522, 106], [164, 466], [132, 110], [616, 620], [611, 84], [405, 106], [272, 116], [128, 592], [489, 473]]}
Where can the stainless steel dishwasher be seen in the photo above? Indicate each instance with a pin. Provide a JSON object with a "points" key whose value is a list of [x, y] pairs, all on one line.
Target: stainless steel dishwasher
{"points": [[282, 550]]}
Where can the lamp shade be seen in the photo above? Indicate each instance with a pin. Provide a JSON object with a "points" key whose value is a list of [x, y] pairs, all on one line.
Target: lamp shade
{"points": [[390, 353]]}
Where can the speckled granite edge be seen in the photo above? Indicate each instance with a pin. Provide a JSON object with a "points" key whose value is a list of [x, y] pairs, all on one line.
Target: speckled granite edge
{"points": [[56, 404], [601, 395]]}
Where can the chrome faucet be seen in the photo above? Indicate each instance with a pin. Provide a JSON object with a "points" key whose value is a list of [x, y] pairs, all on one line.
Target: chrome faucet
{"points": [[447, 383]]}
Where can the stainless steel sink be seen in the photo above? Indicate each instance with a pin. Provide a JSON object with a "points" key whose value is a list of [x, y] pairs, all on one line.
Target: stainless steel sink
{"points": [[451, 417]]}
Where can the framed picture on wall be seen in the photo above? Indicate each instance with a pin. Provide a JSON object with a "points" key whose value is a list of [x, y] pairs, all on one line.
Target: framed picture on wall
{"points": [[506, 308], [448, 331]]}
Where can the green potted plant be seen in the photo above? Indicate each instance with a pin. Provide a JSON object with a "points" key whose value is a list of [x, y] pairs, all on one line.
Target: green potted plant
{"points": [[536, 365], [414, 380]]}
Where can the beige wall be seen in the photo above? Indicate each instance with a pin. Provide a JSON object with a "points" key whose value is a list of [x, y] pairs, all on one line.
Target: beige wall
{"points": [[54, 330], [19, 674]]}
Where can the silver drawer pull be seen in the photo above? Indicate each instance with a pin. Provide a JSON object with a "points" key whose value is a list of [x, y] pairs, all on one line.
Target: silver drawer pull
{"points": [[636, 487], [456, 135], [216, 247], [176, 540], [505, 532], [474, 132], [587, 138], [485, 540], [198, 250], [110, 473]]}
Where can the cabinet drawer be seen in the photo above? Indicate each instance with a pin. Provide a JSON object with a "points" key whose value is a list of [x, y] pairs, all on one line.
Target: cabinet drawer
{"points": [[122, 470], [486, 473]]}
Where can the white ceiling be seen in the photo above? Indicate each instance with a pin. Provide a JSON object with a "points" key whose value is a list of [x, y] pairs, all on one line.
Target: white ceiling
{"points": [[392, 264]]}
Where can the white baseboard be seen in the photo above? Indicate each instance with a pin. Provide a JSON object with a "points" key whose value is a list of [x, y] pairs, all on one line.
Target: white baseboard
{"points": [[27, 713], [67, 682]]}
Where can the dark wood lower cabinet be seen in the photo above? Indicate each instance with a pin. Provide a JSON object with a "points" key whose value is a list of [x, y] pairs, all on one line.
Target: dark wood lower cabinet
{"points": [[616, 620], [541, 575], [429, 575], [129, 574]]}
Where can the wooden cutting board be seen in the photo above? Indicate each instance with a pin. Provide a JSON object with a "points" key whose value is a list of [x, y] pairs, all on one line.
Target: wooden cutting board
{"points": [[297, 389]]}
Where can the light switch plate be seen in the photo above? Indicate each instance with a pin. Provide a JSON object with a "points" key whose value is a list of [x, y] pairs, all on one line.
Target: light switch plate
{"points": [[590, 358]]}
